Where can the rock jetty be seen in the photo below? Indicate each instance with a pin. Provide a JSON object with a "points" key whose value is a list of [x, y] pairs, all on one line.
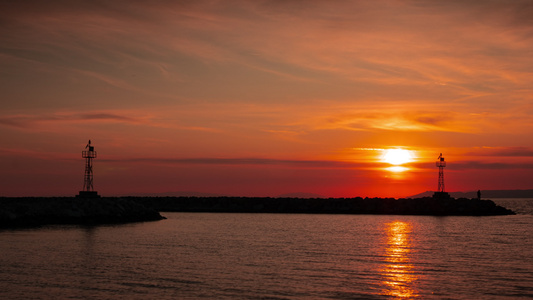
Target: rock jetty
{"points": [[418, 206], [22, 212]]}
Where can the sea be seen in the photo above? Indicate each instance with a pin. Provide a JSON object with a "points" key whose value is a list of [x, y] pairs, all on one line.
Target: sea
{"points": [[275, 256]]}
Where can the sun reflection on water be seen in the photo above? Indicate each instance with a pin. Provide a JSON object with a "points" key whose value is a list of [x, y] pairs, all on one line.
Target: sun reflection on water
{"points": [[398, 273]]}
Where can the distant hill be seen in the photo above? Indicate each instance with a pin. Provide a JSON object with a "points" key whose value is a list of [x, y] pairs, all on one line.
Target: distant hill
{"points": [[484, 194]]}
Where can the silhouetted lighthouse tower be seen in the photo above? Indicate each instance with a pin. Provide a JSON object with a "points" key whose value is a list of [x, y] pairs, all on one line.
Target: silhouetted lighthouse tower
{"points": [[440, 193], [89, 155], [441, 164]]}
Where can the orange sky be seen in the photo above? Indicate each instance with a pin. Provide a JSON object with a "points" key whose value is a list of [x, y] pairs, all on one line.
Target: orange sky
{"points": [[262, 98]]}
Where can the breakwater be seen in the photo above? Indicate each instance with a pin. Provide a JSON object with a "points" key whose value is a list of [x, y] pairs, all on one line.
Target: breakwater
{"points": [[417, 206], [35, 211], [17, 212]]}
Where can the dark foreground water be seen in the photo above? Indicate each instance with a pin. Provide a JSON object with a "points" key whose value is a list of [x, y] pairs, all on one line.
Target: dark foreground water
{"points": [[275, 256]]}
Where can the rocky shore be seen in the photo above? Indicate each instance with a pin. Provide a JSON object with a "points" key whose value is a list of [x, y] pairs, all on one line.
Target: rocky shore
{"points": [[27, 212]]}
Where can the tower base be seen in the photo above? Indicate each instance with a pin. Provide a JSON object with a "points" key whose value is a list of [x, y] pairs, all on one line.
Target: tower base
{"points": [[441, 195], [88, 194]]}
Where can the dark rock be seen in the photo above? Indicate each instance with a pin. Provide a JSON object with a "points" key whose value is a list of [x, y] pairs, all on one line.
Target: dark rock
{"points": [[16, 212], [417, 206]]}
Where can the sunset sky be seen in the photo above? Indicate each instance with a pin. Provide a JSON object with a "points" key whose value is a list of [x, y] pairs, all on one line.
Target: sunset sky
{"points": [[263, 98]]}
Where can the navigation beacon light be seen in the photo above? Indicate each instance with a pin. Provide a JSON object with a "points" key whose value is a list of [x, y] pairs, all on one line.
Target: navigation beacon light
{"points": [[88, 189], [441, 163]]}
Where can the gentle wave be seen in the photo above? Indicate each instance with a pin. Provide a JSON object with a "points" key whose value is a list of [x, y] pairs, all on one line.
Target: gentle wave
{"points": [[273, 256]]}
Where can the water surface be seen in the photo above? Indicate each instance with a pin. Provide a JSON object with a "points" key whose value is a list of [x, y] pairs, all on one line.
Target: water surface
{"points": [[274, 256]]}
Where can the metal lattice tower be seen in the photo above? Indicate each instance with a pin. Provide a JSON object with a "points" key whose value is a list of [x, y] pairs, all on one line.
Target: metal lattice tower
{"points": [[88, 178], [441, 164]]}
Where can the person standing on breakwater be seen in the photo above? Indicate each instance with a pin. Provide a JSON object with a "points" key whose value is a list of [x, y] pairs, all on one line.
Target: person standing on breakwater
{"points": [[478, 194]]}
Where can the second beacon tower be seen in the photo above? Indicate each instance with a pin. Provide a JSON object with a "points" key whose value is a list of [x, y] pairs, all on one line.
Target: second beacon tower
{"points": [[88, 189], [440, 193]]}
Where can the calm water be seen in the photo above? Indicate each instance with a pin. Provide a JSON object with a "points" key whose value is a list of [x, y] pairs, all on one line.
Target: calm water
{"points": [[274, 256]]}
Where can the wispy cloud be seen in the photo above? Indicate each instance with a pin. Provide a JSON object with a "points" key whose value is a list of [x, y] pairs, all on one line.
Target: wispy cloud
{"points": [[329, 164], [29, 121], [366, 42], [502, 152], [474, 165], [478, 165]]}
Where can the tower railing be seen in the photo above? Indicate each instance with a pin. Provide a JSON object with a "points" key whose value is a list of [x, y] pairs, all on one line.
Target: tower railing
{"points": [[88, 154]]}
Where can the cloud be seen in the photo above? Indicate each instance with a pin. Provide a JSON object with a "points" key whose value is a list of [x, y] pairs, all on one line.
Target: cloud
{"points": [[403, 51], [393, 118], [399, 42], [30, 154], [318, 164], [327, 164], [503, 152], [15, 122], [476, 165], [30, 121]]}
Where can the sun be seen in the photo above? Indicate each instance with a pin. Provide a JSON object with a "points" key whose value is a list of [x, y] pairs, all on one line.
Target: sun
{"points": [[397, 156]]}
